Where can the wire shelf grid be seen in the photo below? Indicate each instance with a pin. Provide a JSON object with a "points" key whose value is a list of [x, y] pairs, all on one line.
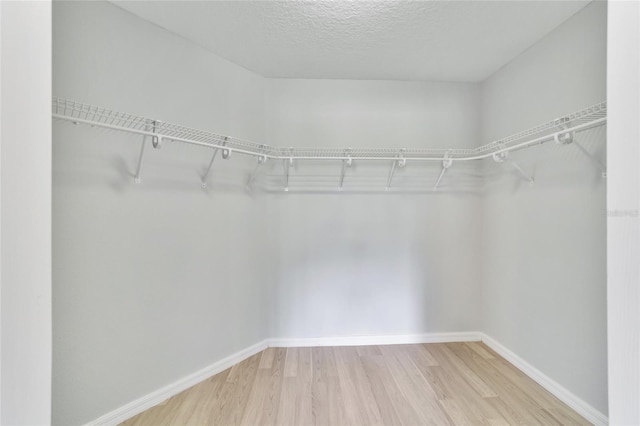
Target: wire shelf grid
{"points": [[78, 112], [583, 117], [70, 110], [561, 129]]}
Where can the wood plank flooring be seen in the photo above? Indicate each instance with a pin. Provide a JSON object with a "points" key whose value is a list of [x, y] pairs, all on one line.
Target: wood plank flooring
{"points": [[430, 384]]}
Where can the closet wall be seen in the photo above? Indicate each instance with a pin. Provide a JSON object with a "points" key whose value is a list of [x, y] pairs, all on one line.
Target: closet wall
{"points": [[374, 264], [544, 247], [155, 281]]}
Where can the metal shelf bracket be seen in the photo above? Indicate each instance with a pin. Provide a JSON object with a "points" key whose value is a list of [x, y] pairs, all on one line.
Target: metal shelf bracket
{"points": [[156, 140], [226, 152], [262, 159], [400, 162], [137, 178], [287, 164], [348, 162], [569, 138], [213, 157], [447, 162], [206, 174], [503, 156]]}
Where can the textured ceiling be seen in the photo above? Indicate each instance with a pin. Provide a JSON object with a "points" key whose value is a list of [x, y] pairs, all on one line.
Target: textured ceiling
{"points": [[397, 40]]}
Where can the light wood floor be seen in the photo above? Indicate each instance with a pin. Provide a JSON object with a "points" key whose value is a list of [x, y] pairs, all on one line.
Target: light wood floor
{"points": [[432, 384]]}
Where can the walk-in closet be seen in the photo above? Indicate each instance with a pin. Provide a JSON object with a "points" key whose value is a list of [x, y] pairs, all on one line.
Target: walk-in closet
{"points": [[320, 212]]}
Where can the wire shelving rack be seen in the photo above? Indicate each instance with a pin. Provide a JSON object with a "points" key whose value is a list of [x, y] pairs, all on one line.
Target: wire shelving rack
{"points": [[560, 130]]}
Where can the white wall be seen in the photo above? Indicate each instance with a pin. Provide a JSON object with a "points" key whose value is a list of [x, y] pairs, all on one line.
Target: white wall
{"points": [[25, 279], [623, 202], [113, 292], [152, 281], [373, 264], [544, 288]]}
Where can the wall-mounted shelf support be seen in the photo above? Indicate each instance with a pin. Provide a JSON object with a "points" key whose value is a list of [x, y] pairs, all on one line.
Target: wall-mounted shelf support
{"points": [[156, 144], [569, 138], [347, 162], [226, 152], [136, 179], [447, 162], [391, 172], [206, 173], [213, 157], [287, 164], [522, 173], [596, 162], [156, 140], [503, 156], [262, 159], [400, 162]]}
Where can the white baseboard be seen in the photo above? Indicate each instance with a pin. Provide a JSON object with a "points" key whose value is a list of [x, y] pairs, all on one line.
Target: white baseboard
{"points": [[144, 403], [560, 392], [397, 339], [129, 410], [139, 405]]}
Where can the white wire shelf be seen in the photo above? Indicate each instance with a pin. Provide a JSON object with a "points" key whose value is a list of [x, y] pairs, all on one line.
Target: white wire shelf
{"points": [[65, 109], [561, 130]]}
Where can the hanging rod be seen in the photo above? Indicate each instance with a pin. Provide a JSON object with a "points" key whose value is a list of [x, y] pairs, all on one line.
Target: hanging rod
{"points": [[80, 113]]}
